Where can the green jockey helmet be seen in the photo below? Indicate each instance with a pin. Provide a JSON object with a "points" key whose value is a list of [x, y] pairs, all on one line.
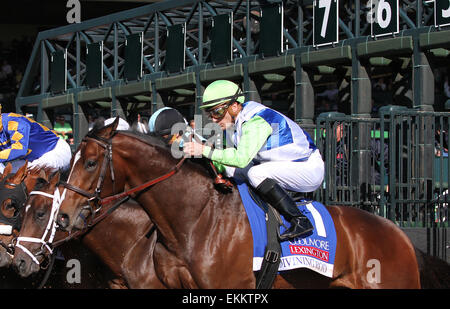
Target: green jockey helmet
{"points": [[219, 92]]}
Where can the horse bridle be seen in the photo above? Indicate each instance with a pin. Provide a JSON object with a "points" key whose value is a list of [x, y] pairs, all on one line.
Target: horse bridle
{"points": [[95, 202], [51, 227], [57, 199], [18, 192]]}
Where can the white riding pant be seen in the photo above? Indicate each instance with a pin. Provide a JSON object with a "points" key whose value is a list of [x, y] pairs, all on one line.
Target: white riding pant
{"points": [[304, 176], [57, 158]]}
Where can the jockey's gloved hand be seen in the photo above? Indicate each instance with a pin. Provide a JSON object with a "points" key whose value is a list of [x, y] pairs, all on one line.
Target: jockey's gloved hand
{"points": [[223, 185]]}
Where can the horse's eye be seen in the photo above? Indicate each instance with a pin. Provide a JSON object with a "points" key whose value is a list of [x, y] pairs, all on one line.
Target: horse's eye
{"points": [[40, 214], [90, 164], [9, 209], [10, 205]]}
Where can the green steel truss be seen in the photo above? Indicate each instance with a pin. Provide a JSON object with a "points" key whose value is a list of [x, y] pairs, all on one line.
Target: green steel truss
{"points": [[293, 74]]}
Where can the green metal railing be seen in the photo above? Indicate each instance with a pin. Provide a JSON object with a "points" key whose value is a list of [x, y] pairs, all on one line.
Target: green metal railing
{"points": [[395, 165]]}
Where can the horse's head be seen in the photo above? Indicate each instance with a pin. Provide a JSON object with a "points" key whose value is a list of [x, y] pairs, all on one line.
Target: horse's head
{"points": [[13, 194], [90, 173], [39, 226]]}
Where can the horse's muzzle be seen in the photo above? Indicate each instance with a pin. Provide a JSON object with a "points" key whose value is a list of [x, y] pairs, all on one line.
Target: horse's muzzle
{"points": [[24, 266], [5, 258], [63, 221], [79, 222]]}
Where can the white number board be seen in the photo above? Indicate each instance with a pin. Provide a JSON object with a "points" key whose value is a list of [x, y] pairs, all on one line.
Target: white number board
{"points": [[383, 17], [325, 22], [441, 13]]}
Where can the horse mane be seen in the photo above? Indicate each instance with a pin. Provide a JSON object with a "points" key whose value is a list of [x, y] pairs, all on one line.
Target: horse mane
{"points": [[156, 142], [49, 172], [149, 139], [153, 141], [36, 170]]}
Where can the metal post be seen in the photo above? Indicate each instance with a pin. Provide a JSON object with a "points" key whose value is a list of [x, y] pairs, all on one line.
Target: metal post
{"points": [[303, 97]]}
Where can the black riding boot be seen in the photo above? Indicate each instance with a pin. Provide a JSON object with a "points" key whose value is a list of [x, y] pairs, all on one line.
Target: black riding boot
{"points": [[276, 196]]}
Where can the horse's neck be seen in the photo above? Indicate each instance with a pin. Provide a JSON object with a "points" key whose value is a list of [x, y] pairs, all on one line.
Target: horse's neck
{"points": [[117, 249], [180, 203], [186, 204]]}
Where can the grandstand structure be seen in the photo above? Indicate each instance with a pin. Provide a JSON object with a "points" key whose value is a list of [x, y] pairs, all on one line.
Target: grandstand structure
{"points": [[283, 54]]}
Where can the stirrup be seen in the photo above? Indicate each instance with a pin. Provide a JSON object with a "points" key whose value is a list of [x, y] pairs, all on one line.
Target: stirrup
{"points": [[288, 234]]}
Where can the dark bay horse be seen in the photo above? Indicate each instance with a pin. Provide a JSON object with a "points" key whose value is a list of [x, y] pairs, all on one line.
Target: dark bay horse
{"points": [[125, 252], [204, 238]]}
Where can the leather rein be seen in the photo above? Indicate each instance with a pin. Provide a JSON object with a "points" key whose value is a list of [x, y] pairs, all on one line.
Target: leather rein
{"points": [[95, 202]]}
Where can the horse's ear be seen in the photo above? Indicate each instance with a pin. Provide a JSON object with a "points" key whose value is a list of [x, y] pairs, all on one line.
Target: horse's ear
{"points": [[55, 179], [8, 169], [22, 172], [43, 174], [111, 128]]}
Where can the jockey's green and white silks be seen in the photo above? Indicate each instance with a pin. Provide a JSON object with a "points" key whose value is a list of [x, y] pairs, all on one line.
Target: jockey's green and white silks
{"points": [[268, 144], [264, 134]]}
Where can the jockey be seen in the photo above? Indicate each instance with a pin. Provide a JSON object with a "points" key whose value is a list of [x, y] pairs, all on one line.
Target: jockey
{"points": [[162, 124], [269, 149], [22, 138]]}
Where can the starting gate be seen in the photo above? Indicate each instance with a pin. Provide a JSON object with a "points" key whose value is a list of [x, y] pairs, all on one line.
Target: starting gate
{"points": [[285, 54]]}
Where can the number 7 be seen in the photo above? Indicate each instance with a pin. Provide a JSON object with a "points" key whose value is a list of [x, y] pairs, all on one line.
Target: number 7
{"points": [[327, 5]]}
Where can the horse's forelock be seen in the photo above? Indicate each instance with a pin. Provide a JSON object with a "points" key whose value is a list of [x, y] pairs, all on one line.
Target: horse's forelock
{"points": [[40, 183]]}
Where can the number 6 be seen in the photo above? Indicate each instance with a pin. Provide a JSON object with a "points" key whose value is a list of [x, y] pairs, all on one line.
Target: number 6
{"points": [[446, 13], [384, 6]]}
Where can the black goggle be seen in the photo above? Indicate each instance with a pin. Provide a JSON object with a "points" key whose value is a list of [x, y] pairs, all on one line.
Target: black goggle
{"points": [[219, 112]]}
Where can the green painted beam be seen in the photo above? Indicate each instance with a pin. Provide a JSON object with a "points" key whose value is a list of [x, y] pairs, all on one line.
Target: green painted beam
{"points": [[286, 62], [382, 47], [327, 56], [435, 39], [57, 101]]}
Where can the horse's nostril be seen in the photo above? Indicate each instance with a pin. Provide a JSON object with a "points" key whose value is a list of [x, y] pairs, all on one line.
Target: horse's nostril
{"points": [[63, 220], [20, 265]]}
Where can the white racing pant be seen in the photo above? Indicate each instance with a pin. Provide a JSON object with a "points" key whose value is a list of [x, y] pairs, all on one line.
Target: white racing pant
{"points": [[57, 158], [305, 176]]}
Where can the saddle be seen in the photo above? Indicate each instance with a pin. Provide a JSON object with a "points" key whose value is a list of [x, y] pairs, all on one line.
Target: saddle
{"points": [[272, 254]]}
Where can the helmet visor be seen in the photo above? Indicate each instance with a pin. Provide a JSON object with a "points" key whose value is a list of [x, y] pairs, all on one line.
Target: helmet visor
{"points": [[218, 112]]}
